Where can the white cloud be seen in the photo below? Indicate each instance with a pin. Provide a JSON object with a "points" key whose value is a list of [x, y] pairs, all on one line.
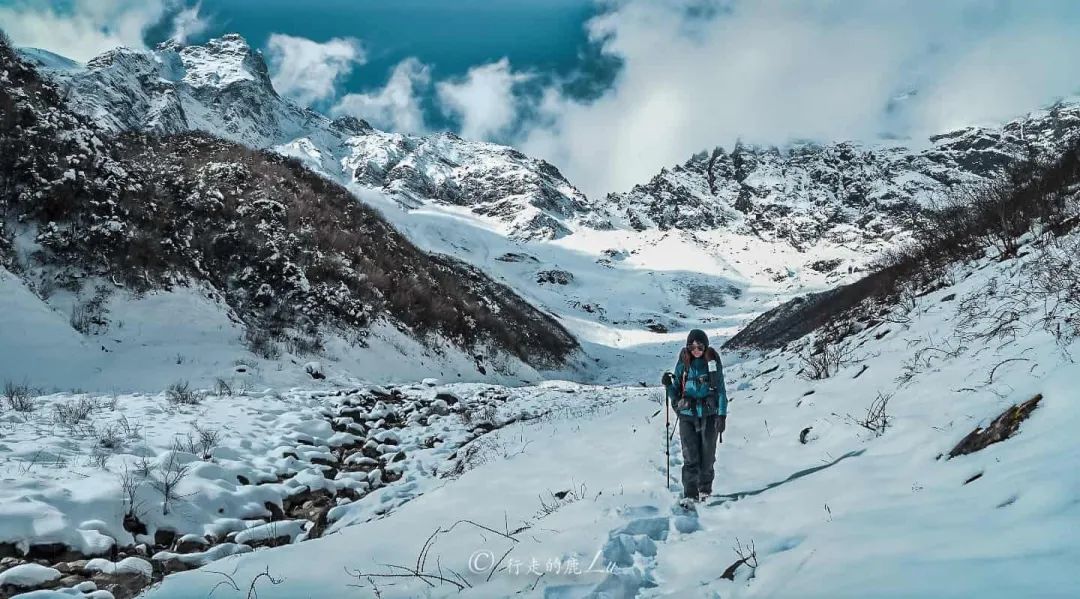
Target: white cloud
{"points": [[484, 100], [83, 29], [308, 71], [188, 23], [397, 105], [773, 71]]}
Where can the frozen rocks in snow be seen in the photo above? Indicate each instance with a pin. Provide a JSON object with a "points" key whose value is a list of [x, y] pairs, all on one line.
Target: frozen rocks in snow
{"points": [[191, 543], [554, 277], [387, 437], [448, 397], [314, 370], [273, 534], [28, 576], [128, 565], [173, 562], [360, 460]]}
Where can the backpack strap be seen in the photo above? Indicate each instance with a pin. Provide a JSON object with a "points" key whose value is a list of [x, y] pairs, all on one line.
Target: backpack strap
{"points": [[684, 357], [714, 375]]}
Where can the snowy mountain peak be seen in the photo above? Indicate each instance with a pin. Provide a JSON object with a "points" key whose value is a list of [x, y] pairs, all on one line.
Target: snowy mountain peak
{"points": [[223, 87], [843, 192], [225, 61]]}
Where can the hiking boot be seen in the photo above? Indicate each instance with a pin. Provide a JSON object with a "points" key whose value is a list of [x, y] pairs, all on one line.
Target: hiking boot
{"points": [[703, 496], [687, 503]]}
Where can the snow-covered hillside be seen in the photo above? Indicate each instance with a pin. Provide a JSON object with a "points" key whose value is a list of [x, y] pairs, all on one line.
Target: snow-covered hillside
{"points": [[710, 243], [135, 261], [223, 88], [916, 438], [559, 490]]}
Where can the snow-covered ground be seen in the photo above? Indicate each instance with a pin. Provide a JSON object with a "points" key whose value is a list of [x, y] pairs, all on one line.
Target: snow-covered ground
{"points": [[571, 499], [147, 342], [628, 297]]}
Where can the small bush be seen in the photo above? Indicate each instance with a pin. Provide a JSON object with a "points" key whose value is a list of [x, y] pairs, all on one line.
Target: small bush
{"points": [[877, 419], [18, 397], [180, 393], [109, 437], [824, 360], [88, 316], [305, 345], [199, 442], [71, 414], [222, 387], [261, 344], [1054, 282]]}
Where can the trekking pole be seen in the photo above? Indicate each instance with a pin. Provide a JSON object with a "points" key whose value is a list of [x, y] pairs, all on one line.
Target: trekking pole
{"points": [[667, 439]]}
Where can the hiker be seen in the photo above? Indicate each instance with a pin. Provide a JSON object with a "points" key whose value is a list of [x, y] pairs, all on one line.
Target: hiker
{"points": [[698, 388]]}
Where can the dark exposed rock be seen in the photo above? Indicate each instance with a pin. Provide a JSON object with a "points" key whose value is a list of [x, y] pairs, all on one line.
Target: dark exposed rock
{"points": [[824, 266], [1003, 427], [516, 257], [123, 585], [276, 512], [554, 277], [448, 397], [191, 545], [164, 537]]}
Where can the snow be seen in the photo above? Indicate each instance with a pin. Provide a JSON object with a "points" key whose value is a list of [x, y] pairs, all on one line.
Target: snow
{"points": [[575, 486], [480, 202], [65, 594], [128, 565], [221, 62], [188, 334], [28, 575], [849, 514]]}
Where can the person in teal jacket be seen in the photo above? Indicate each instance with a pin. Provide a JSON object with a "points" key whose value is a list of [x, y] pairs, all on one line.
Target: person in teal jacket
{"points": [[697, 391]]}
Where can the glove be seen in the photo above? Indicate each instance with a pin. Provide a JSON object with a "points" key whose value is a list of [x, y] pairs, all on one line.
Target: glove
{"points": [[721, 423], [667, 379]]}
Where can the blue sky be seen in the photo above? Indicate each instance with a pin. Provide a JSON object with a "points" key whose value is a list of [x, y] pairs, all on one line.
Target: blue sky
{"points": [[611, 91], [544, 36]]}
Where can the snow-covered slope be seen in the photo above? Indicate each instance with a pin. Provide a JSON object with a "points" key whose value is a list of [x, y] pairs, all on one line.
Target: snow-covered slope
{"points": [[849, 512], [137, 261], [223, 88], [823, 501], [841, 193], [747, 228]]}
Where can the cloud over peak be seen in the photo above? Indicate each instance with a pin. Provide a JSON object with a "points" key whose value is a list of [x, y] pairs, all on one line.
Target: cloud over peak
{"points": [[309, 71], [397, 105]]}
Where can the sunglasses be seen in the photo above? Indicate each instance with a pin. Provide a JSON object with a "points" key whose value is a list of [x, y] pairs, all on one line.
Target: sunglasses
{"points": [[695, 346]]}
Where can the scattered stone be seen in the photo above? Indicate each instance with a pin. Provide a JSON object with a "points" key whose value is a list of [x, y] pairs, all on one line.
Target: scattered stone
{"points": [[554, 277], [28, 576], [1003, 427], [276, 512], [164, 537], [314, 370], [191, 543]]}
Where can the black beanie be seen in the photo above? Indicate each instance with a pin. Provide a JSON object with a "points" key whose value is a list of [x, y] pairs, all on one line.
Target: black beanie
{"points": [[699, 336]]}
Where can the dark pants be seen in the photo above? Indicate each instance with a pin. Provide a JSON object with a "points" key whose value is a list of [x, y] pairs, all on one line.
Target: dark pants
{"points": [[699, 453]]}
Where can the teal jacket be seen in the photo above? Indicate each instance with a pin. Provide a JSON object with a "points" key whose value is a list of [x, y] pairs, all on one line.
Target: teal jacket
{"points": [[702, 385]]}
